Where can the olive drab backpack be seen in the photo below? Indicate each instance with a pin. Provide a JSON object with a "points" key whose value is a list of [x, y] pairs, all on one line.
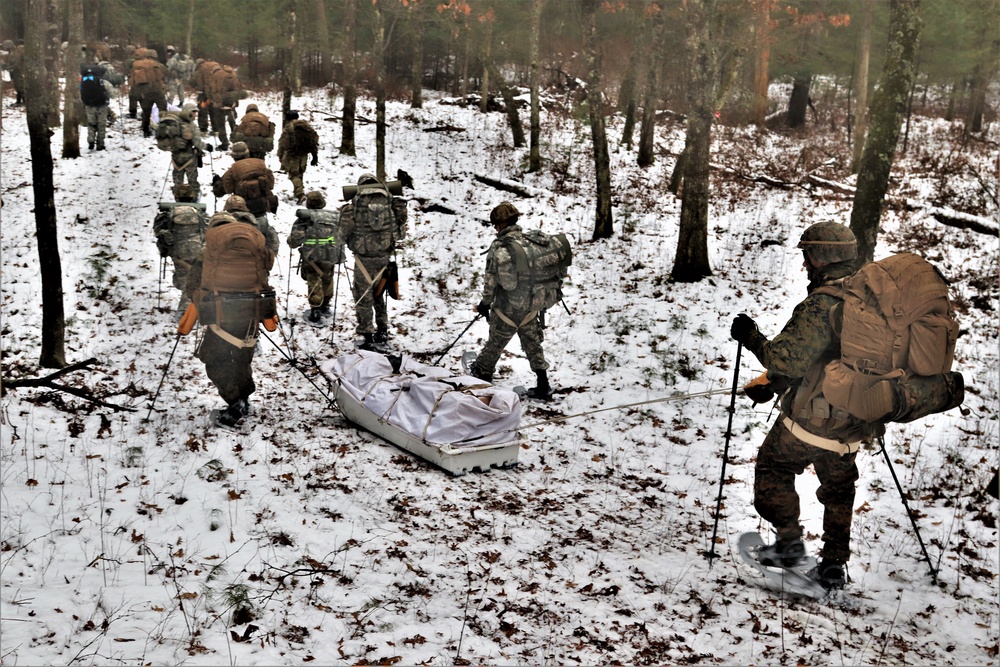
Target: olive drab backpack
{"points": [[185, 222], [235, 267], [376, 228], [323, 244], [256, 131], [541, 261], [92, 90], [897, 343], [304, 139], [172, 133]]}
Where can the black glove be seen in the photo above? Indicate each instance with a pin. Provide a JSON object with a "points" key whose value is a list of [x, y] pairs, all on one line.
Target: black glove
{"points": [[216, 178], [759, 390], [201, 163], [209, 147], [315, 161], [743, 328], [484, 309]]}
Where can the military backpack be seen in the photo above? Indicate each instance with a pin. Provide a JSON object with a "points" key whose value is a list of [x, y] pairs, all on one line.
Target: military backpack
{"points": [[172, 133], [92, 90], [236, 262], [541, 262]]}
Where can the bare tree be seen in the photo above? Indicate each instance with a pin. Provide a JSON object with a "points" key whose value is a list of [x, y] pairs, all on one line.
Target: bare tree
{"points": [[189, 30], [603, 221], [323, 39], [380, 44], [534, 152], [862, 57], [72, 104], [887, 110], [651, 93], [762, 59], [350, 78], [415, 12], [38, 82]]}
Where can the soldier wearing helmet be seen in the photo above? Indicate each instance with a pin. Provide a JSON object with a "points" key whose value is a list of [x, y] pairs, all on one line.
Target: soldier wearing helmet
{"points": [[256, 130], [237, 207], [179, 228], [316, 232], [187, 149], [180, 69], [297, 142], [808, 431], [506, 304], [249, 178]]}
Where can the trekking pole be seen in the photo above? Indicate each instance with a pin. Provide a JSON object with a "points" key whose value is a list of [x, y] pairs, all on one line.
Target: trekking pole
{"points": [[913, 522], [288, 282], [710, 554], [474, 320], [164, 376], [159, 283], [163, 190], [336, 290], [295, 366]]}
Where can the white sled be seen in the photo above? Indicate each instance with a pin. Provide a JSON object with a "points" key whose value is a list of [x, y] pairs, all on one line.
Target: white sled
{"points": [[458, 423]]}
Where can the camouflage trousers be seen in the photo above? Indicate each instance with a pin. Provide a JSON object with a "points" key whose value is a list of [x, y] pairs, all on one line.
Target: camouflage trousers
{"points": [[97, 123], [148, 97], [185, 164], [295, 165], [220, 116], [529, 333], [319, 282], [781, 457], [364, 300], [227, 366], [181, 270]]}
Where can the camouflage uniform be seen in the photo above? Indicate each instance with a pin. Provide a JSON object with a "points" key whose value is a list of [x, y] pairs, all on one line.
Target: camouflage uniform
{"points": [[180, 234], [180, 68], [245, 167], [371, 248], [185, 158], [293, 159], [98, 115], [316, 232], [797, 357], [259, 146], [150, 92], [511, 313]]}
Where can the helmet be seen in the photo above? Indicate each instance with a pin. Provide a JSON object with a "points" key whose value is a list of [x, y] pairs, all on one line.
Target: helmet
{"points": [[315, 199], [504, 212], [367, 178], [239, 150], [252, 107], [183, 192], [291, 115], [221, 218], [188, 111], [829, 243], [235, 203], [171, 49]]}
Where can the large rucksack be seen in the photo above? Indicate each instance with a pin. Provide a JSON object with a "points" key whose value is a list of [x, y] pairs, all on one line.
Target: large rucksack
{"points": [[541, 261], [186, 223], [897, 343], [253, 185], [256, 131], [92, 91], [172, 133], [146, 70], [235, 266], [376, 228], [323, 244], [304, 139]]}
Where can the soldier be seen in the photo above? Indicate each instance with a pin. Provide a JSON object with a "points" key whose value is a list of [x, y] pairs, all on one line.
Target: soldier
{"points": [[180, 69], [186, 149], [255, 130], [506, 305], [228, 284], [297, 142], [225, 92], [237, 207], [371, 224], [249, 178], [15, 65], [180, 233], [807, 431], [316, 233], [201, 81], [96, 91], [146, 81]]}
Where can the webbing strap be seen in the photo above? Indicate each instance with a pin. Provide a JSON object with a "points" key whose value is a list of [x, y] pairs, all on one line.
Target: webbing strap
{"points": [[231, 339], [819, 441], [530, 316]]}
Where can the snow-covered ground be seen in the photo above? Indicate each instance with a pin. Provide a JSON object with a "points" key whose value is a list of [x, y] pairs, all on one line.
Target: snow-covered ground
{"points": [[305, 540]]}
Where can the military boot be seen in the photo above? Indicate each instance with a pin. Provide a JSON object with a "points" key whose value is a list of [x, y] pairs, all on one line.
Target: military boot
{"points": [[541, 392]]}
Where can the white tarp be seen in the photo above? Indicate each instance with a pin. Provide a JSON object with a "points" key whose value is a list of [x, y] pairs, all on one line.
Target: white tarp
{"points": [[428, 402]]}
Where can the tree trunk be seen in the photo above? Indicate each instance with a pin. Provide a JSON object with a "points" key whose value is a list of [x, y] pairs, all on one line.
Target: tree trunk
{"points": [[762, 60], [603, 223], [294, 49], [463, 79], [887, 109], [534, 153], [486, 56], [51, 40], [350, 78], [798, 102], [651, 94], [72, 104], [190, 28], [323, 37], [861, 82], [513, 117], [985, 72], [417, 66], [691, 262], [379, 90], [38, 109]]}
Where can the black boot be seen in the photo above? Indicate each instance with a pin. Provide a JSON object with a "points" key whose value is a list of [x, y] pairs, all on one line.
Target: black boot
{"points": [[542, 392], [315, 315], [369, 343]]}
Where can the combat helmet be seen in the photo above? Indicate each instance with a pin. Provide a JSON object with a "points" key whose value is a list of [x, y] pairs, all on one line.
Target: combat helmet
{"points": [[366, 179], [188, 111], [184, 192], [252, 107], [504, 213], [235, 203], [829, 243], [239, 150], [315, 199]]}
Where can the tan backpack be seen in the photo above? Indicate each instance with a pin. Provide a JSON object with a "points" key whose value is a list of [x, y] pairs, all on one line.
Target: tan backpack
{"points": [[146, 70], [235, 266], [898, 327]]}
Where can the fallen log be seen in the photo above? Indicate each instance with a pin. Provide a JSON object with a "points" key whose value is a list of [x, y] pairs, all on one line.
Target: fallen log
{"points": [[50, 382], [444, 128], [505, 185]]}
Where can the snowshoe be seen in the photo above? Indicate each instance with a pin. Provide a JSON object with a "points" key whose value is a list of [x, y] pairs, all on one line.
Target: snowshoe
{"points": [[467, 358], [796, 580]]}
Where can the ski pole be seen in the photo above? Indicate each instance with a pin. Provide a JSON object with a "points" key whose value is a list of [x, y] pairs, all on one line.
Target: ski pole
{"points": [[295, 366], [710, 554], [164, 376], [159, 283], [288, 282], [474, 320], [913, 522], [336, 290]]}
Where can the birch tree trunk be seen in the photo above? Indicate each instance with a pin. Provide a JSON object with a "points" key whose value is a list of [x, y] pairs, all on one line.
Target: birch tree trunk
{"points": [[861, 83], [534, 152], [887, 109], [350, 78], [72, 104], [603, 222], [38, 109]]}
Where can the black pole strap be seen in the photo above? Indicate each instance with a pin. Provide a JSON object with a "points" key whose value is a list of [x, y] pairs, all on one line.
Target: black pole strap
{"points": [[906, 506], [710, 553]]}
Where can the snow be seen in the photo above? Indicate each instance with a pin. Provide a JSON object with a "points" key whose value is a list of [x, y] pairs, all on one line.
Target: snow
{"points": [[127, 542]]}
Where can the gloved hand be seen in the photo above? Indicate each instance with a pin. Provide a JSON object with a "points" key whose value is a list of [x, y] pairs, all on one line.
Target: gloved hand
{"points": [[216, 178], [484, 309], [759, 390], [743, 328], [315, 161], [209, 148], [201, 163]]}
